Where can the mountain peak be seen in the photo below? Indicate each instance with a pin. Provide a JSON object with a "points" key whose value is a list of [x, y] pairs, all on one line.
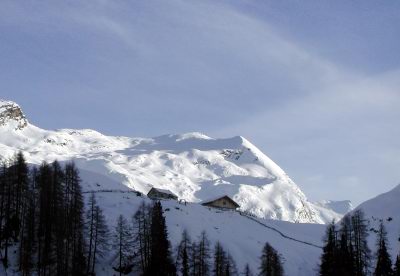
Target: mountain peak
{"points": [[341, 207], [11, 114]]}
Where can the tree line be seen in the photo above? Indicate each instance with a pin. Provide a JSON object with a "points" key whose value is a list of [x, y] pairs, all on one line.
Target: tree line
{"points": [[346, 250], [46, 225]]}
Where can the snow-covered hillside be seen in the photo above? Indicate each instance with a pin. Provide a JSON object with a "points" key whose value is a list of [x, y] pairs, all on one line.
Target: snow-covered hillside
{"points": [[244, 236], [193, 165], [241, 236], [386, 208]]}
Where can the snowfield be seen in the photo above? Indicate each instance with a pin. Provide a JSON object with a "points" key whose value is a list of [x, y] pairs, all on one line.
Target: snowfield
{"points": [[242, 237], [386, 208], [192, 165]]}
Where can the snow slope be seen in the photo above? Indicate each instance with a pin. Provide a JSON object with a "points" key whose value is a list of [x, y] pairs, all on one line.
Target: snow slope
{"points": [[193, 165], [386, 208], [331, 209], [242, 237], [339, 206]]}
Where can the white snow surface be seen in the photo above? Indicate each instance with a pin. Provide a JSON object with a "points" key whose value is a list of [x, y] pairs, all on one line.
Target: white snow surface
{"points": [[334, 210], [192, 166], [339, 206], [385, 208]]}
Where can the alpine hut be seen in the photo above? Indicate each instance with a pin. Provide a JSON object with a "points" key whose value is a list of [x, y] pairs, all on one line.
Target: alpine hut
{"points": [[222, 202], [156, 193]]}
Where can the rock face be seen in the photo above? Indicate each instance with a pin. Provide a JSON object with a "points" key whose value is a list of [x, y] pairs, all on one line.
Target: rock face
{"points": [[10, 112]]}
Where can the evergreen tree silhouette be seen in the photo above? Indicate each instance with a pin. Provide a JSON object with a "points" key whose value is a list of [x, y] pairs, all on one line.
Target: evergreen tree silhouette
{"points": [[160, 262], [271, 264], [362, 253], [123, 245], [220, 260], [328, 266], [344, 261], [184, 254], [247, 271], [396, 269], [383, 263]]}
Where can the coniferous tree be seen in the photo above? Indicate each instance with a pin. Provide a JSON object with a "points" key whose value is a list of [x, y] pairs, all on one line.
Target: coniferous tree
{"points": [[57, 233], [230, 266], [90, 215], [183, 255], [28, 244], [396, 269], [45, 219], [202, 255], [97, 234], [271, 264], [194, 264], [101, 243], [361, 250], [328, 266], [122, 245], [384, 263], [21, 185], [344, 260], [160, 260], [142, 237], [247, 271], [220, 260], [74, 210], [10, 217]]}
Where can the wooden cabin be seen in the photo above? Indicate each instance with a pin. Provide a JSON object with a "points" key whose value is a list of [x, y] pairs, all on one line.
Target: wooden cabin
{"points": [[156, 193], [222, 202]]}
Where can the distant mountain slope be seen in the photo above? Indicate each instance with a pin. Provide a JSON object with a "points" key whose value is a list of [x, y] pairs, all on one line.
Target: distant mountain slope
{"points": [[386, 208], [193, 165], [339, 206], [331, 209]]}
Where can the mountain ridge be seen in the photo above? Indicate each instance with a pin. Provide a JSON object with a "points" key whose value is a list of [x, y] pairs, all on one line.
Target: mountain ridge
{"points": [[192, 165]]}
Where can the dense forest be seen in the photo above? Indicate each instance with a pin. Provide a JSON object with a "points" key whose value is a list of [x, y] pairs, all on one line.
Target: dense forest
{"points": [[346, 250], [47, 229]]}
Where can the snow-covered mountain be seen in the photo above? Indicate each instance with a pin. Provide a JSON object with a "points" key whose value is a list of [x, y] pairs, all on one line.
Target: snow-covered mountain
{"points": [[193, 165], [339, 206]]}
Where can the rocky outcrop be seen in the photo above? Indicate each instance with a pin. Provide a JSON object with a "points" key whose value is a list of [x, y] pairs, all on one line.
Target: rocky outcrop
{"points": [[10, 112]]}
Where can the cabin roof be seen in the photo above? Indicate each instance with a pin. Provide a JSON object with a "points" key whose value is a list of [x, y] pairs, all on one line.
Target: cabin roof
{"points": [[164, 191], [209, 200]]}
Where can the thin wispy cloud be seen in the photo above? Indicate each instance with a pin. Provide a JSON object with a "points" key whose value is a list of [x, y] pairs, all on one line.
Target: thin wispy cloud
{"points": [[223, 68]]}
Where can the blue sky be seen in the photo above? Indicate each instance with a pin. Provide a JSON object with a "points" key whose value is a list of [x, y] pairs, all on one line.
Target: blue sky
{"points": [[314, 84]]}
